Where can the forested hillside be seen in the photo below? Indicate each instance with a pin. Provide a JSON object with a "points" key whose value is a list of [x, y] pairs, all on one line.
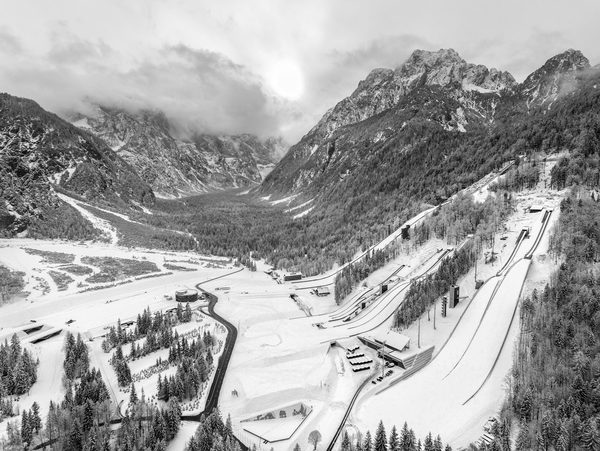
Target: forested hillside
{"points": [[420, 164], [555, 394], [41, 151]]}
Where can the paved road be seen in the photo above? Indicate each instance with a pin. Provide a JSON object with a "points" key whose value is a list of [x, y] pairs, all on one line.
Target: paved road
{"points": [[338, 431], [212, 400]]}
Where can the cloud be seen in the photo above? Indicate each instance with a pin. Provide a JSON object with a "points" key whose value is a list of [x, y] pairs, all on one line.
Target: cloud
{"points": [[199, 90], [9, 44], [209, 64]]}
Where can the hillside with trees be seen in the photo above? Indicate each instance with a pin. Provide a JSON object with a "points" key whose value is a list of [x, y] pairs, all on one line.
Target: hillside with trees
{"points": [[555, 393]]}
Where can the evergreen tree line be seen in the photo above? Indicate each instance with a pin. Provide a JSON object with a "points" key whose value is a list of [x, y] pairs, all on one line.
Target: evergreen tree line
{"points": [[7, 408], [406, 440], [194, 362], [61, 221], [423, 293], [353, 274], [452, 222], [82, 421], [11, 283], [146, 324], [213, 434], [391, 183], [523, 176], [555, 389], [31, 423], [121, 367], [84, 412], [576, 169], [147, 427], [18, 369], [76, 356], [463, 216]]}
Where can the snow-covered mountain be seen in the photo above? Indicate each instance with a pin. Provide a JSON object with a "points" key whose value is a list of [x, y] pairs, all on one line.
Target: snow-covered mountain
{"points": [[556, 77], [41, 153], [473, 90], [383, 88], [431, 91], [174, 166]]}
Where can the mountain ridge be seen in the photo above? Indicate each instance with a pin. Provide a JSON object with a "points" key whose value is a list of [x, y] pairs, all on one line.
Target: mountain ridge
{"points": [[177, 166], [481, 94]]}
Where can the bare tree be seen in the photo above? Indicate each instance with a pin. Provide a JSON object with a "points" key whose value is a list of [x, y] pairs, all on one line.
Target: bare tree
{"points": [[314, 438]]}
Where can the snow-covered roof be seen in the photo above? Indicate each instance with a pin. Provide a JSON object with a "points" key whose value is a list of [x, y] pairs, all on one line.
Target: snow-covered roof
{"points": [[391, 339]]}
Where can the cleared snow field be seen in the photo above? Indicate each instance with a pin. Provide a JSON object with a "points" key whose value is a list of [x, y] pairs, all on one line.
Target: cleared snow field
{"points": [[13, 255]]}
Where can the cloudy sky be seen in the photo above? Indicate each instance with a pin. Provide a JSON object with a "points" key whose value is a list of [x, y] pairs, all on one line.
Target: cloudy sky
{"points": [[270, 67]]}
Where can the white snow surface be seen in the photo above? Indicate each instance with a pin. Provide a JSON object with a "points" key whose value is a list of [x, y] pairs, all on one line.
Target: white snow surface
{"points": [[104, 226], [304, 213]]}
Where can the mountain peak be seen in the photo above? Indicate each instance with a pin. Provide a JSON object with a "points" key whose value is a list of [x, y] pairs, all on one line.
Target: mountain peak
{"points": [[445, 67], [432, 57], [555, 77]]}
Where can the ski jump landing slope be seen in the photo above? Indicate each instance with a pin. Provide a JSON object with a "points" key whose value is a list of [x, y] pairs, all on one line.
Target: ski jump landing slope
{"points": [[463, 385]]}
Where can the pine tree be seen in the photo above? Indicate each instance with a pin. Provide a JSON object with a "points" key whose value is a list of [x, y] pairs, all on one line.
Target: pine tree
{"points": [[406, 438], [228, 426], [591, 435], [88, 415], [394, 442], [380, 438], [428, 444], [437, 444], [21, 381], [367, 442], [36, 421], [76, 435], [133, 395], [26, 432]]}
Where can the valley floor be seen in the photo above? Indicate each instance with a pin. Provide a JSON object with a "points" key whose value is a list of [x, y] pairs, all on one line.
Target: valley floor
{"points": [[289, 364]]}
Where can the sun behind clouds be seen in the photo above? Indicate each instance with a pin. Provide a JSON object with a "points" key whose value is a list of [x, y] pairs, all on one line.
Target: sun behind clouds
{"points": [[286, 79]]}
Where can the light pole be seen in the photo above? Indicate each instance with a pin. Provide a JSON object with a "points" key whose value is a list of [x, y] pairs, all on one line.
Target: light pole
{"points": [[382, 359]]}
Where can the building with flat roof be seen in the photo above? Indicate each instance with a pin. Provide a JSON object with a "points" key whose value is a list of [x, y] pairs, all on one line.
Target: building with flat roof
{"points": [[392, 340], [188, 295], [323, 291], [391, 343]]}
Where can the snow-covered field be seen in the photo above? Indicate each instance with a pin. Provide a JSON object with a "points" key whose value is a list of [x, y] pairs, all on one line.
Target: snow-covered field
{"points": [[89, 312], [286, 354], [41, 285]]}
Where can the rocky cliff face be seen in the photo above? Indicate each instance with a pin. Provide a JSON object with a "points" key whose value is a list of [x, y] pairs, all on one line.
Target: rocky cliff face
{"points": [[383, 88], [430, 91], [558, 76], [174, 166], [473, 90], [40, 152]]}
